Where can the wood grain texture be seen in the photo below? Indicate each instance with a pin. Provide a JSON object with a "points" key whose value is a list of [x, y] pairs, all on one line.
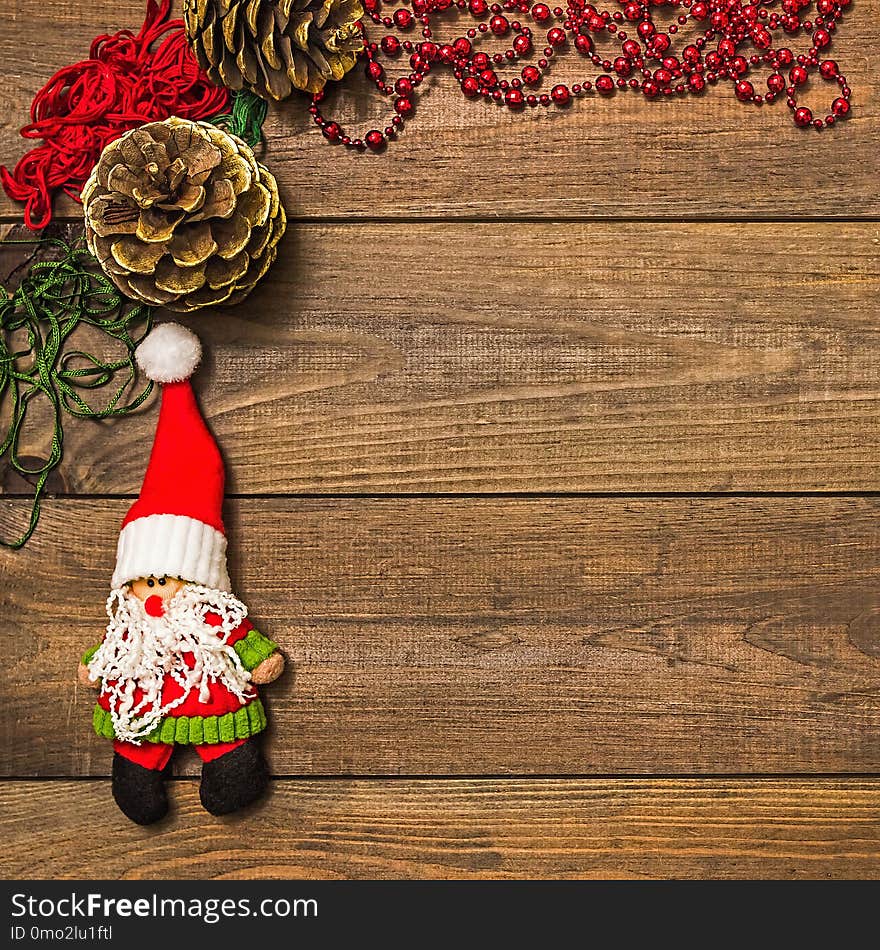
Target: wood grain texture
{"points": [[490, 636], [488, 357], [709, 157], [477, 828], [506, 638]]}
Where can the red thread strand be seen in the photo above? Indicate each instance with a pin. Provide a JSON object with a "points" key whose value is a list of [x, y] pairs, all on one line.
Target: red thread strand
{"points": [[85, 106]]}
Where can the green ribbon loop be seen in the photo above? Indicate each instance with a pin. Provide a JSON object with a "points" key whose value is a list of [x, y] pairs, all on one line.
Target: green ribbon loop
{"points": [[246, 119], [54, 299]]}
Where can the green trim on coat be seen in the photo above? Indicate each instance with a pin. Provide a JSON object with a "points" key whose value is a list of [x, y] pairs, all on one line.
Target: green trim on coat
{"points": [[243, 723]]}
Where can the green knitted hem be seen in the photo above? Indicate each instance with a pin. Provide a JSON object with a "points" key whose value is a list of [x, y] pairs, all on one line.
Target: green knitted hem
{"points": [[253, 649], [195, 730], [87, 656]]}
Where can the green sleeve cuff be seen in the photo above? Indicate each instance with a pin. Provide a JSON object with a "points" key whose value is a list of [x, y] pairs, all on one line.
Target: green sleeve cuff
{"points": [[253, 649], [87, 656]]}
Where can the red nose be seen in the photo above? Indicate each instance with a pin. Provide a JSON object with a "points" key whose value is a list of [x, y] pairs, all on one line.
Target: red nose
{"points": [[154, 605]]}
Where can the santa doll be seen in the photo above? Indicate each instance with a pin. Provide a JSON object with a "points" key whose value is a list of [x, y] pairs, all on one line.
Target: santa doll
{"points": [[180, 661]]}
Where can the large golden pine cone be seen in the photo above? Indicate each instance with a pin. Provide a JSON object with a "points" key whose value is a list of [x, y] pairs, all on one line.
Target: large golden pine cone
{"points": [[180, 214], [274, 46]]}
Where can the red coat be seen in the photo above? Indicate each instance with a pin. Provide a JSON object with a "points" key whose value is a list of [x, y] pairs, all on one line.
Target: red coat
{"points": [[221, 700]]}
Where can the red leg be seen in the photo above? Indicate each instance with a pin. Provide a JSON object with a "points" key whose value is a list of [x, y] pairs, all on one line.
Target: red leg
{"points": [[213, 751], [151, 755]]}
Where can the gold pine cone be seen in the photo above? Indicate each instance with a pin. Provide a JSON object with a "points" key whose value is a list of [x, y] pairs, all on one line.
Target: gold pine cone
{"points": [[181, 215], [274, 46]]}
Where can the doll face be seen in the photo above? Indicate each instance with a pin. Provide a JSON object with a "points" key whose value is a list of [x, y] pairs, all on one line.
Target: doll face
{"points": [[164, 587]]}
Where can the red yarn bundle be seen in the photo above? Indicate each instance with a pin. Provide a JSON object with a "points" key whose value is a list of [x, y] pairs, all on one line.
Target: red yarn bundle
{"points": [[83, 107]]}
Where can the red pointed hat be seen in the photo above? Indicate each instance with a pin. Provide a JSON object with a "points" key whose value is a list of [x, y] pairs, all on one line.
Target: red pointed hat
{"points": [[175, 527]]}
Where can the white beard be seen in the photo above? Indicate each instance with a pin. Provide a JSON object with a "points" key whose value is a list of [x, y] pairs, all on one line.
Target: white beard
{"points": [[141, 651]]}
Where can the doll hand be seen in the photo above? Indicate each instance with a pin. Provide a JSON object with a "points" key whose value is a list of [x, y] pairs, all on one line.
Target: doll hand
{"points": [[269, 670], [85, 677]]}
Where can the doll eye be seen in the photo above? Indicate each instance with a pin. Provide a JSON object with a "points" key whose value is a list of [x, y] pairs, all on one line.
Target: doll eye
{"points": [[151, 583], [161, 581]]}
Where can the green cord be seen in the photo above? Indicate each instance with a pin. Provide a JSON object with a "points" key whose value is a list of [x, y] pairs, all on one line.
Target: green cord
{"points": [[247, 117], [53, 299]]}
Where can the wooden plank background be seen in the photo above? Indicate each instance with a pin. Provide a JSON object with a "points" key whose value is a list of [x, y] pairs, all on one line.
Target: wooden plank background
{"points": [[552, 451], [523, 636], [610, 357], [461, 828], [709, 157]]}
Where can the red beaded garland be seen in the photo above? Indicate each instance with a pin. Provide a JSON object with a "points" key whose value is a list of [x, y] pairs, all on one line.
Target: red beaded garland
{"points": [[374, 139], [734, 38], [560, 95], [803, 116]]}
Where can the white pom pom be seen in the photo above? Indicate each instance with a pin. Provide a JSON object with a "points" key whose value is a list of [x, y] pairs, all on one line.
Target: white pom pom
{"points": [[169, 354]]}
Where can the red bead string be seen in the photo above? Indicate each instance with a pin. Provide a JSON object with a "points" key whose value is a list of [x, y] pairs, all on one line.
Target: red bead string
{"points": [[83, 107], [647, 61]]}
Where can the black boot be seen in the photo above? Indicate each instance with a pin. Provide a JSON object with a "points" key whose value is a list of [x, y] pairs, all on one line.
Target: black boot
{"points": [[234, 780], [139, 792]]}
